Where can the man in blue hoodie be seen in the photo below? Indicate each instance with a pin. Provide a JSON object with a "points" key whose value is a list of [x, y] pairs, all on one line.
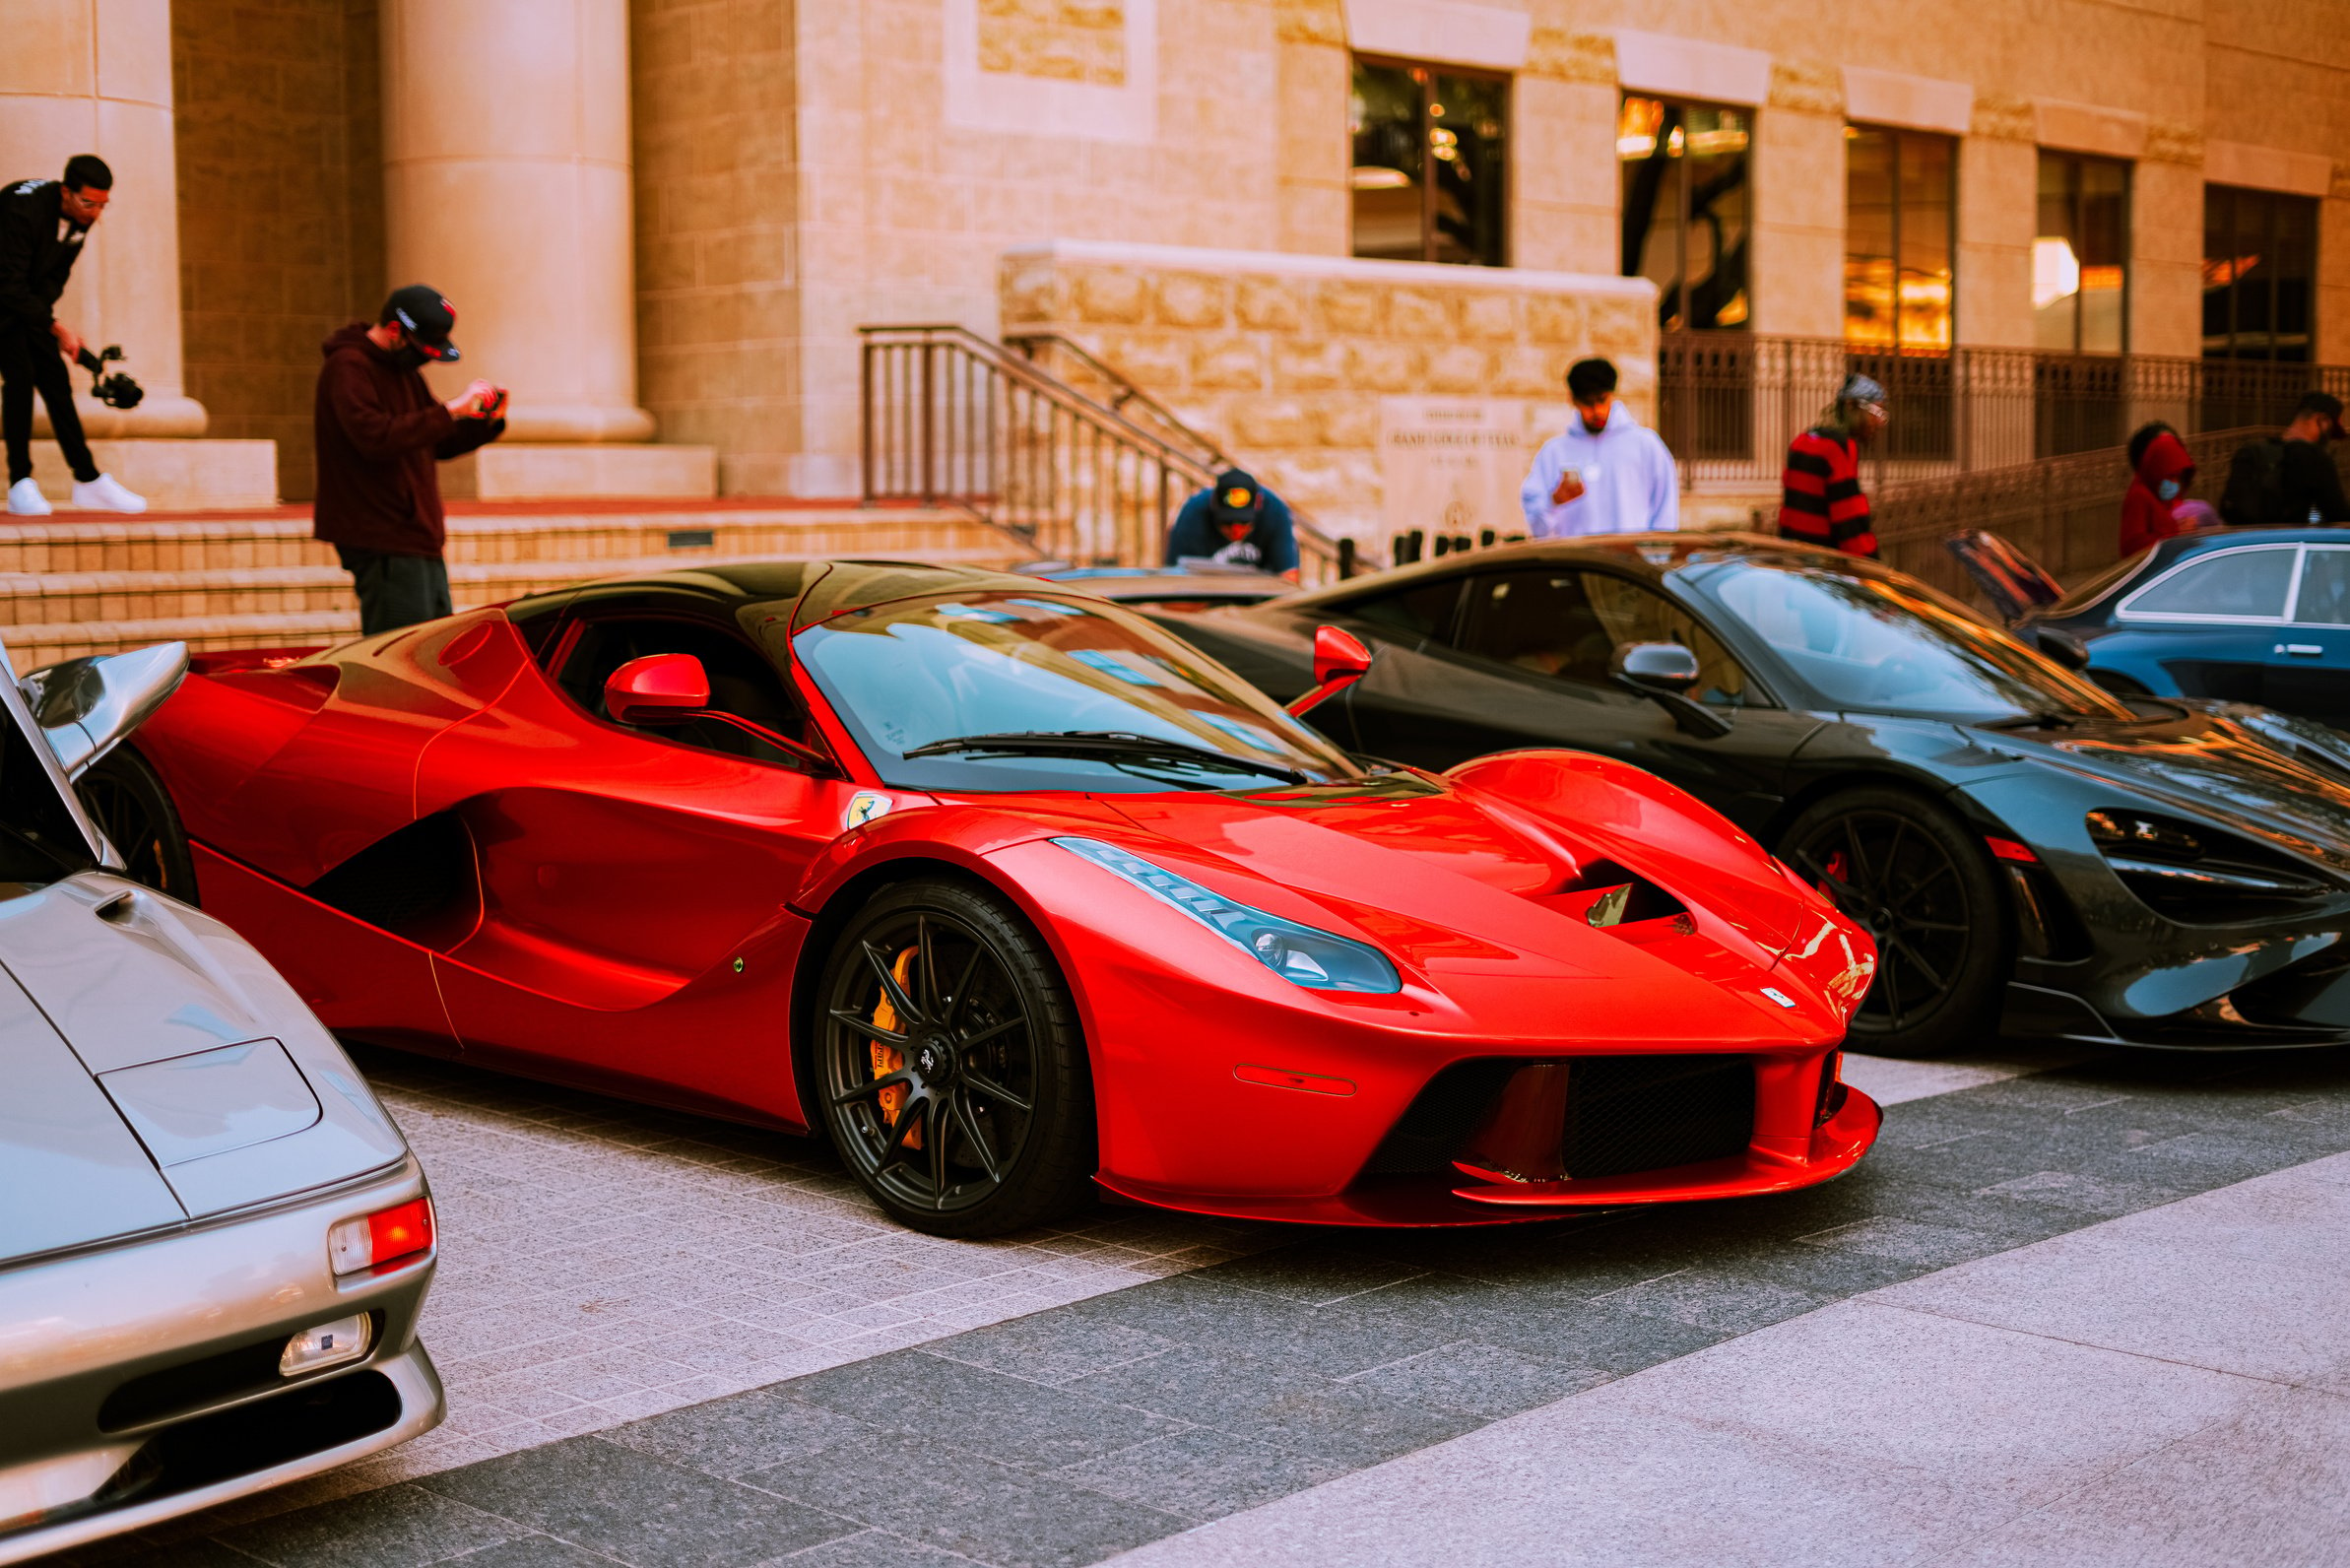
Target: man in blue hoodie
{"points": [[1606, 474]]}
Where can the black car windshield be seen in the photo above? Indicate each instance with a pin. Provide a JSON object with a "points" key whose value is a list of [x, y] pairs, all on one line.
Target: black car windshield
{"points": [[1869, 642], [997, 692]]}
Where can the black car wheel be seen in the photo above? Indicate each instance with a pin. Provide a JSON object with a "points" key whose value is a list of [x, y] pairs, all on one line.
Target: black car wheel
{"points": [[951, 1064], [1925, 889], [127, 800]]}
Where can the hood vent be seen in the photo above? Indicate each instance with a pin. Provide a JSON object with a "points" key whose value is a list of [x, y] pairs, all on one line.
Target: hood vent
{"points": [[1605, 894]]}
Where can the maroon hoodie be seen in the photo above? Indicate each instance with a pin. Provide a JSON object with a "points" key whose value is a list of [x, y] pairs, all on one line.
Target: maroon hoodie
{"points": [[379, 432]]}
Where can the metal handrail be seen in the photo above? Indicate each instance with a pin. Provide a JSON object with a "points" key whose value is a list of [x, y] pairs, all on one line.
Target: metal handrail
{"points": [[1124, 391], [951, 418]]}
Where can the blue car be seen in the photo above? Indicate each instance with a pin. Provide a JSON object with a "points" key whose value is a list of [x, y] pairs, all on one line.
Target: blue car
{"points": [[2257, 616]]}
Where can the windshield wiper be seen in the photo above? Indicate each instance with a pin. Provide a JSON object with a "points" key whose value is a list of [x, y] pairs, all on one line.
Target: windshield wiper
{"points": [[1101, 743]]}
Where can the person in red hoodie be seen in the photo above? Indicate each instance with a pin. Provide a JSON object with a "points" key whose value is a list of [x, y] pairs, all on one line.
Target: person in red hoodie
{"points": [[380, 431], [2161, 470]]}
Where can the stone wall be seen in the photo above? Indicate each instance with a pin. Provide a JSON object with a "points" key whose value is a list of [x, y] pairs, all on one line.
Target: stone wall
{"points": [[1326, 375], [712, 84], [281, 206]]}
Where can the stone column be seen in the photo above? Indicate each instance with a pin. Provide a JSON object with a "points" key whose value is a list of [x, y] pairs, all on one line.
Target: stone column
{"points": [[507, 186], [1798, 204], [1998, 172], [1312, 74], [1565, 201], [94, 76]]}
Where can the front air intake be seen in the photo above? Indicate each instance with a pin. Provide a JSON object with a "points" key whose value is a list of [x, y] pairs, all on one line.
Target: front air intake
{"points": [[1623, 1114]]}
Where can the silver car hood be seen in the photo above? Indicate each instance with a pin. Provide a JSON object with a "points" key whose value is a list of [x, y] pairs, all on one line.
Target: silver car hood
{"points": [[205, 1062], [70, 1170]]}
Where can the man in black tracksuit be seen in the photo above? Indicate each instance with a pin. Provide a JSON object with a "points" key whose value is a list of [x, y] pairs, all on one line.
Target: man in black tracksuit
{"points": [[42, 225]]}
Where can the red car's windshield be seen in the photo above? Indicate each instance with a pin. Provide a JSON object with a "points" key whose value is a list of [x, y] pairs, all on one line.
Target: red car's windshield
{"points": [[1018, 691]]}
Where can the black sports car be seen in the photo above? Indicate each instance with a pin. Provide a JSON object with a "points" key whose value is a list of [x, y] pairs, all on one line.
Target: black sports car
{"points": [[2029, 850]]}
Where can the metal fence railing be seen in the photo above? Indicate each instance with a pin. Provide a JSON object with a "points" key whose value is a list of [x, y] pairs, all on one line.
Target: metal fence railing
{"points": [[1729, 402], [2064, 512], [1092, 474]]}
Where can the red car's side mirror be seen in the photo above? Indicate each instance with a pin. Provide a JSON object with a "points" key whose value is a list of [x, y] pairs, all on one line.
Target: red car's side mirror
{"points": [[1340, 659], [658, 689]]}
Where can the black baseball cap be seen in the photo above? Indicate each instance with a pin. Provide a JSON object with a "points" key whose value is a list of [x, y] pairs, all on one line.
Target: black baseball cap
{"points": [[1236, 498], [427, 319]]}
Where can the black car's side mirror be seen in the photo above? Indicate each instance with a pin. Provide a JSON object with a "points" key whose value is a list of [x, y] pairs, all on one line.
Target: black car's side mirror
{"points": [[1663, 673], [2063, 646]]}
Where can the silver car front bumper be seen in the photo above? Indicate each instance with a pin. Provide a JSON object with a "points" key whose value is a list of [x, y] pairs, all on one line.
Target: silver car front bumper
{"points": [[139, 1381]]}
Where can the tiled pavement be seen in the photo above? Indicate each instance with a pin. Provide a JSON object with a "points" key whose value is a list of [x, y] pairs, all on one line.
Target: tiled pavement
{"points": [[1080, 1430], [601, 1261]]}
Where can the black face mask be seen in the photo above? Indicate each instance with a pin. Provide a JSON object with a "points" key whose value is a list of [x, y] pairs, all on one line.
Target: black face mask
{"points": [[408, 356]]}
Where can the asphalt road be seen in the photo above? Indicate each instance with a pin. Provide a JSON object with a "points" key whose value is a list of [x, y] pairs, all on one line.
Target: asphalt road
{"points": [[2069, 1310]]}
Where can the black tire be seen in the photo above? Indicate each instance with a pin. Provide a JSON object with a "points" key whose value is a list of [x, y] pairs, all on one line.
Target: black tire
{"points": [[1926, 889], [950, 1066], [126, 798]]}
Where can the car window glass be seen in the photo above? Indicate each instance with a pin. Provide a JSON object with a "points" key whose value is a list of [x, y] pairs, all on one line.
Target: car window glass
{"points": [[1569, 624], [39, 840], [1871, 644], [2249, 583], [909, 675], [742, 682], [1423, 610], [2324, 588]]}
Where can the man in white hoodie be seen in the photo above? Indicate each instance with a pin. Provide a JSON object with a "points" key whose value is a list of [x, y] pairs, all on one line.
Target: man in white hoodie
{"points": [[1606, 474]]}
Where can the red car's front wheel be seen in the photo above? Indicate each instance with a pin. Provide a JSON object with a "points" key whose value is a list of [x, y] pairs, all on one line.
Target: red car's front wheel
{"points": [[951, 1064]]}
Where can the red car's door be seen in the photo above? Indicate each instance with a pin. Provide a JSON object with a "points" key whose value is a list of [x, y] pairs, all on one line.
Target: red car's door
{"points": [[633, 929]]}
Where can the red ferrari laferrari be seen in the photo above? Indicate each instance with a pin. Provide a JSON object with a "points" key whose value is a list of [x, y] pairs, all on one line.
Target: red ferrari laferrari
{"points": [[1007, 892]]}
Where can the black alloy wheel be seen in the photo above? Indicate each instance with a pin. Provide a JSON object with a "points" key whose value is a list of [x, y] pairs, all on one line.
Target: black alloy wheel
{"points": [[951, 1066], [1926, 892], [127, 800]]}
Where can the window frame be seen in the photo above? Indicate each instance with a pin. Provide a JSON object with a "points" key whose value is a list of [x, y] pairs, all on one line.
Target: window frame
{"points": [[2273, 199], [2129, 200], [2127, 609], [1751, 113], [1755, 694], [810, 759], [1425, 74], [1896, 135]]}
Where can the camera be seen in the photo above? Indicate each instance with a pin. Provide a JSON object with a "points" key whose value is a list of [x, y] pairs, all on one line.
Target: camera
{"points": [[116, 391]]}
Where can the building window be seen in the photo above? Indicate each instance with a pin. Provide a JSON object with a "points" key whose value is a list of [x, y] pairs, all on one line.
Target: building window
{"points": [[2080, 255], [2260, 261], [1686, 205], [1899, 255], [1431, 169]]}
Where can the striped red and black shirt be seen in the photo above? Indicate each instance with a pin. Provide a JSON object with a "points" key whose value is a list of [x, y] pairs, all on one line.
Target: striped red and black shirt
{"points": [[1821, 501]]}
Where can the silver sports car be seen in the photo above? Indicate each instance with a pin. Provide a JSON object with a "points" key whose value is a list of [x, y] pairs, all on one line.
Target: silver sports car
{"points": [[213, 1243]]}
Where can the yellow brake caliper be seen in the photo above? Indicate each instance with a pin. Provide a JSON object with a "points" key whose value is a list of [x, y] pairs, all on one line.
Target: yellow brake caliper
{"points": [[888, 1058]]}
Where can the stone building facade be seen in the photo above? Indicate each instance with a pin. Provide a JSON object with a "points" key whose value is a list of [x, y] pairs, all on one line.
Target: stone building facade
{"points": [[663, 220]]}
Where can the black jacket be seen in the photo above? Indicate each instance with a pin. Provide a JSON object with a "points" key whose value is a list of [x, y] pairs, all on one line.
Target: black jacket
{"points": [[2312, 485], [38, 252], [379, 432]]}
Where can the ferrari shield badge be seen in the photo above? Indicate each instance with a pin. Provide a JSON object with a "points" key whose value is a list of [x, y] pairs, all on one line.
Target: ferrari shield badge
{"points": [[864, 807]]}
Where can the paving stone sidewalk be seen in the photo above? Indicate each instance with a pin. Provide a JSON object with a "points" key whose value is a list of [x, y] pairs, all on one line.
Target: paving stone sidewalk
{"points": [[1074, 1433]]}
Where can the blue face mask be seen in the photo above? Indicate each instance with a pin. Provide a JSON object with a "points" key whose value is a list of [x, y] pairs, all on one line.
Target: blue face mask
{"points": [[2168, 489]]}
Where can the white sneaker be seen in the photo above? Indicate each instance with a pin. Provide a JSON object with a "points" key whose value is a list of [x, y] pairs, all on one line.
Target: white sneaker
{"points": [[104, 494], [25, 499]]}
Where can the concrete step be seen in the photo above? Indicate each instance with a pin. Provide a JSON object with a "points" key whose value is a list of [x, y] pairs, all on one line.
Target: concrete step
{"points": [[70, 587], [283, 538], [35, 599]]}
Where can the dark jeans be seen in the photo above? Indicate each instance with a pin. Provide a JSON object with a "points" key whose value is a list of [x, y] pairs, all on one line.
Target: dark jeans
{"points": [[396, 591], [29, 362]]}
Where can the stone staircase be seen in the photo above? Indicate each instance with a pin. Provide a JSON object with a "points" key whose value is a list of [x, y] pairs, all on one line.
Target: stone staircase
{"points": [[257, 580]]}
